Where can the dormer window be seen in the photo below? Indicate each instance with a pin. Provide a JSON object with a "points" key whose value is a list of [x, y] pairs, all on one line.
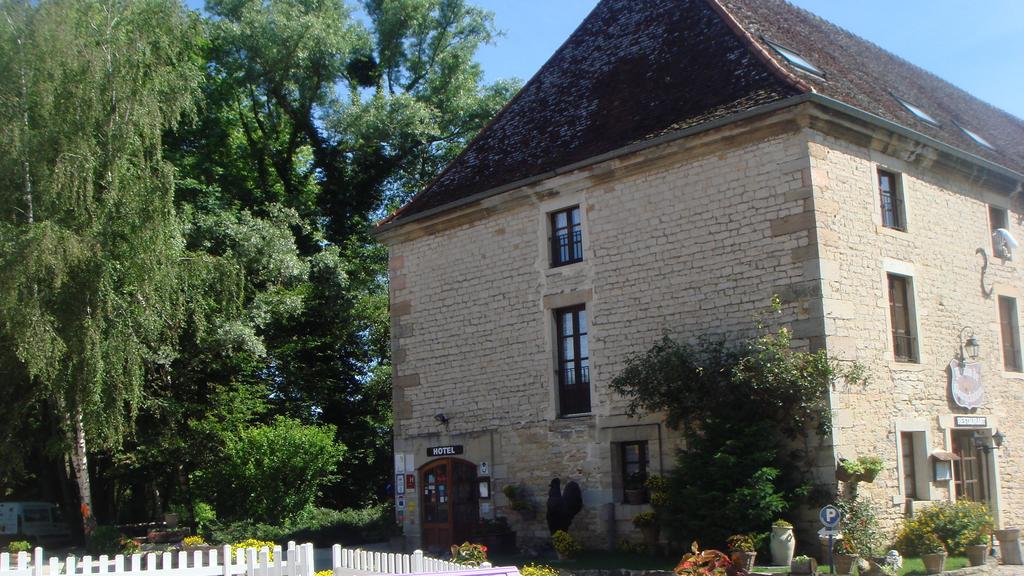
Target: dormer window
{"points": [[921, 114], [796, 59], [976, 137]]}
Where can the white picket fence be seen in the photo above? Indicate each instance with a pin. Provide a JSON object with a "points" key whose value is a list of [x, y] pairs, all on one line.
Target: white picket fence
{"points": [[343, 559], [295, 560], [249, 562]]}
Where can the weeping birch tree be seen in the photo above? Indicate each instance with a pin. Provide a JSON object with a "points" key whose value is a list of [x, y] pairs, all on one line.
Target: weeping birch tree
{"points": [[90, 247]]}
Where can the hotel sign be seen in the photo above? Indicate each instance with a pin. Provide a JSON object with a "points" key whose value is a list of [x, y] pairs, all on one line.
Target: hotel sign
{"points": [[965, 384], [436, 451], [970, 421]]}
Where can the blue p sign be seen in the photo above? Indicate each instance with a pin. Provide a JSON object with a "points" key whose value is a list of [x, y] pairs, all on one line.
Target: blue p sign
{"points": [[830, 516]]}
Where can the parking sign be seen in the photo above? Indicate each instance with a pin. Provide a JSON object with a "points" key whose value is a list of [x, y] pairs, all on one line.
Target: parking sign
{"points": [[830, 516]]}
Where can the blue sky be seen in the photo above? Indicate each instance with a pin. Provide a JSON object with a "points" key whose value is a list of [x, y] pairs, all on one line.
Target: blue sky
{"points": [[979, 46]]}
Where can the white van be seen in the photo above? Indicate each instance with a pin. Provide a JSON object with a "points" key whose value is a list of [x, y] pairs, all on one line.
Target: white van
{"points": [[33, 521]]}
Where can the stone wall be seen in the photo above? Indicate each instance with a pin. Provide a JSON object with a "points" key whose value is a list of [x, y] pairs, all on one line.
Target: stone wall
{"points": [[947, 224], [688, 238]]}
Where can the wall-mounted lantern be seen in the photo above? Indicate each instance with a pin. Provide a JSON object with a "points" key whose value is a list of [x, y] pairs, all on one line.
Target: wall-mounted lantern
{"points": [[969, 347]]}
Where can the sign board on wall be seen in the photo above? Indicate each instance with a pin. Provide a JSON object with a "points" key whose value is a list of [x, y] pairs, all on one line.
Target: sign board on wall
{"points": [[435, 451], [970, 421], [965, 384]]}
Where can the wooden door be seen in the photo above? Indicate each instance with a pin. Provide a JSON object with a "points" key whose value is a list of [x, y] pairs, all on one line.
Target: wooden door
{"points": [[971, 469], [448, 500]]}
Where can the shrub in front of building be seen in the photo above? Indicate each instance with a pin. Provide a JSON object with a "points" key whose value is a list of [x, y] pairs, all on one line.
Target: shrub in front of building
{"points": [[955, 525], [739, 404]]}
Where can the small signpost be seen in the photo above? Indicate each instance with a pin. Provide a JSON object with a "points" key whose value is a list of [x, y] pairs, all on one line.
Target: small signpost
{"points": [[830, 517]]}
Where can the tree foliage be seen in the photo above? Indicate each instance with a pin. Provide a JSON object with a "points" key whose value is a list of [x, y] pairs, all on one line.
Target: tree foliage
{"points": [[740, 405], [270, 473]]}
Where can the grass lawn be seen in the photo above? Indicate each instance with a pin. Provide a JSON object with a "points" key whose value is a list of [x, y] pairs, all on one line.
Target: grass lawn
{"points": [[916, 566]]}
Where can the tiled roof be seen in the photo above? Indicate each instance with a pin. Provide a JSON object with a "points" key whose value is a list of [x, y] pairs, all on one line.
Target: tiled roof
{"points": [[637, 69]]}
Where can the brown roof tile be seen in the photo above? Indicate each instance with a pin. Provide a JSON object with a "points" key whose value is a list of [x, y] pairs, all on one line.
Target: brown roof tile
{"points": [[637, 69]]}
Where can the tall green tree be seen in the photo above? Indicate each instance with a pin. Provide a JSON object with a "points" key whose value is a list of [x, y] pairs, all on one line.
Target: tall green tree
{"points": [[90, 245], [338, 112]]}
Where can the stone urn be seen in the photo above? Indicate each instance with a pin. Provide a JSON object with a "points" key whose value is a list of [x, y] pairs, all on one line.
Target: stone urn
{"points": [[976, 554], [934, 563], [1009, 545], [844, 563], [782, 545]]}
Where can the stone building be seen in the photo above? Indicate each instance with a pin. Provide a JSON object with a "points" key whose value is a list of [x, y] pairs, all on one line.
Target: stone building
{"points": [[671, 167]]}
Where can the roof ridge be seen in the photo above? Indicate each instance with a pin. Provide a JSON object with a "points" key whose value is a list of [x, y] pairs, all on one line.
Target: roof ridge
{"points": [[757, 50]]}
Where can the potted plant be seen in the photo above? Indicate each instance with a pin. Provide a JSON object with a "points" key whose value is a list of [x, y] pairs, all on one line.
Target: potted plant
{"points": [[634, 491], [845, 557], [783, 543], [565, 545], [647, 522], [518, 503], [803, 565], [863, 469], [742, 551], [469, 554], [917, 539]]}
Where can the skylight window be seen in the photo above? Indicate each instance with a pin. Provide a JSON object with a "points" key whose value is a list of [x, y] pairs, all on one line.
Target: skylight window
{"points": [[921, 114], [796, 59], [976, 137]]}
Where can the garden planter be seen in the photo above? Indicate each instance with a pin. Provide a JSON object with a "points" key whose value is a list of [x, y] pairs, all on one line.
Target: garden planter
{"points": [[934, 563], [782, 545], [803, 566], [977, 553], [744, 560], [866, 476], [634, 496], [1009, 545], [842, 475], [844, 563]]}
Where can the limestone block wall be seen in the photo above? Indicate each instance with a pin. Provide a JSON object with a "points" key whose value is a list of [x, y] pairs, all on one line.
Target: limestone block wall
{"points": [[947, 223], [688, 238]]}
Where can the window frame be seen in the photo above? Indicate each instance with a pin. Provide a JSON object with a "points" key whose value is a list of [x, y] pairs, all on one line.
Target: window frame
{"points": [[909, 319], [573, 235], [998, 217], [643, 463], [1009, 334], [896, 199], [573, 399]]}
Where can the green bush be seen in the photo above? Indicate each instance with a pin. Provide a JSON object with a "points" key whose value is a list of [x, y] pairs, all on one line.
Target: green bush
{"points": [[917, 538], [321, 526], [19, 546], [270, 473], [104, 540], [739, 405], [956, 526], [565, 544]]}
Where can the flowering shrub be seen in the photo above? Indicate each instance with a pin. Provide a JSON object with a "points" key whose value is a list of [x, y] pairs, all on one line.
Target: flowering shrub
{"points": [[191, 541], [469, 554], [861, 534], [565, 544], [538, 570], [917, 538], [324, 573], [240, 547], [956, 526], [645, 519]]}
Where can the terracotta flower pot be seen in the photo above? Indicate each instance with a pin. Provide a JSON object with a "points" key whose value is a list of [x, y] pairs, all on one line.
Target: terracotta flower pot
{"points": [[744, 560], [977, 554], [844, 563], [934, 563]]}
